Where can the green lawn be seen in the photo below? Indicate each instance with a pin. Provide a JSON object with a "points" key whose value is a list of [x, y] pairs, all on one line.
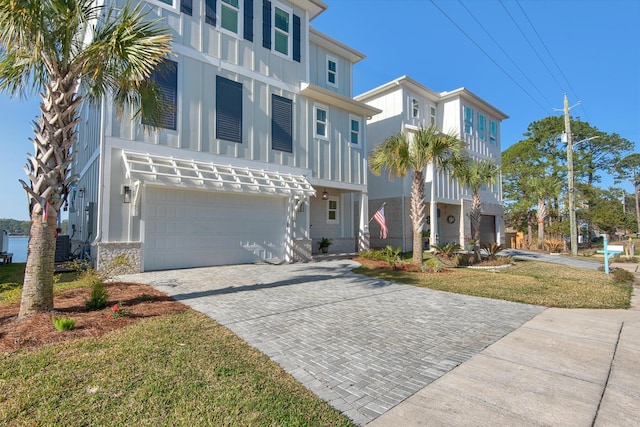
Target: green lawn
{"points": [[182, 369], [527, 282]]}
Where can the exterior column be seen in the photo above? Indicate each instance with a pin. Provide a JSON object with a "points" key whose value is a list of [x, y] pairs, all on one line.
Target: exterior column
{"points": [[363, 227]]}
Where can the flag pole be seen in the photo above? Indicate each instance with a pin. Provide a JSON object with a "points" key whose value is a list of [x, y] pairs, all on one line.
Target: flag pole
{"points": [[383, 203]]}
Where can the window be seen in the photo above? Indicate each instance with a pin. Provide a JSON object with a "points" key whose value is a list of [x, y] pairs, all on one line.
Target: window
{"points": [[229, 14], [468, 120], [228, 110], [281, 31], [166, 77], [433, 116], [355, 131], [332, 71], [493, 136], [332, 211], [281, 123], [320, 117], [481, 127], [415, 108]]}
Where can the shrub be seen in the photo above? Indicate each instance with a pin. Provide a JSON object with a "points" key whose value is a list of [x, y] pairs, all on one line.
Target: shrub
{"points": [[622, 276], [554, 245], [447, 249], [99, 297], [493, 249], [63, 323], [118, 310], [391, 254], [434, 265], [462, 260]]}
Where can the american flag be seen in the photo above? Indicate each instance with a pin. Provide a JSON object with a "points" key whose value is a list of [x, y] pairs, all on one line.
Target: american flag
{"points": [[379, 217]]}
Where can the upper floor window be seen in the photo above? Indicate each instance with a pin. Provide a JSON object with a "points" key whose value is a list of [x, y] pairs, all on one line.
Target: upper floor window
{"points": [[230, 15], [433, 116], [481, 127], [281, 123], [332, 71], [281, 31], [468, 120], [355, 131], [493, 136], [166, 77], [415, 108], [321, 125]]}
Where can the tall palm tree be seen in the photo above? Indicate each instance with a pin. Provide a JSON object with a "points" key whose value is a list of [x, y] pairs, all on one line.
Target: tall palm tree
{"points": [[69, 51], [400, 154], [543, 188], [473, 174]]}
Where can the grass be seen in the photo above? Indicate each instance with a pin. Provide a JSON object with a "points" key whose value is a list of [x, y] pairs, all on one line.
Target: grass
{"points": [[180, 369], [527, 282]]}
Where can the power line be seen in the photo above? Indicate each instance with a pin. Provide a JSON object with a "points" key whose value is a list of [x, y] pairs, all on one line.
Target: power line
{"points": [[531, 45], [551, 56], [504, 52], [488, 56]]}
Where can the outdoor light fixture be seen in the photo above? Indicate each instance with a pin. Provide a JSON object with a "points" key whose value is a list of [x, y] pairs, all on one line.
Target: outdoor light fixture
{"points": [[126, 194], [325, 195]]}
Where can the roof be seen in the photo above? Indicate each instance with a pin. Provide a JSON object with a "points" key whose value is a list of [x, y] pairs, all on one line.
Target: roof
{"points": [[333, 45], [331, 98]]}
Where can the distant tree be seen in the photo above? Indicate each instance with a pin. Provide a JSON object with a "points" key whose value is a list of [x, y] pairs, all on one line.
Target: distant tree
{"points": [[474, 174], [401, 154], [628, 169], [543, 188], [69, 51]]}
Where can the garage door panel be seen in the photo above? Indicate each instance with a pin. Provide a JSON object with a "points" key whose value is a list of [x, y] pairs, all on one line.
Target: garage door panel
{"points": [[192, 228]]}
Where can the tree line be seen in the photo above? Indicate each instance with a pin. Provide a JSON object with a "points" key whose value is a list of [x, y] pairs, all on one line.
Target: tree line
{"points": [[16, 227], [535, 185]]}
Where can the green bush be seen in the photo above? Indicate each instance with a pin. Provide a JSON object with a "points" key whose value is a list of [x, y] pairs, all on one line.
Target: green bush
{"points": [[447, 249], [463, 260], [99, 297], [435, 265], [63, 323], [622, 276]]}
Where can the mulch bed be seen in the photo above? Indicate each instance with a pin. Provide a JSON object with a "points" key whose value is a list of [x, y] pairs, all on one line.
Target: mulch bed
{"points": [[141, 302]]}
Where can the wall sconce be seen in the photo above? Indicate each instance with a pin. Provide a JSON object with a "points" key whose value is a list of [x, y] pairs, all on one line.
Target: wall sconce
{"points": [[301, 207], [325, 195], [126, 194]]}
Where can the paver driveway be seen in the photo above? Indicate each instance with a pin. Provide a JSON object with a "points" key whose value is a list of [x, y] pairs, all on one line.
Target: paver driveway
{"points": [[364, 345]]}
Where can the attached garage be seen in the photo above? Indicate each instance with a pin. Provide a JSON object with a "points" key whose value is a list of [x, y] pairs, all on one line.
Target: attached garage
{"points": [[198, 228], [195, 214], [488, 229]]}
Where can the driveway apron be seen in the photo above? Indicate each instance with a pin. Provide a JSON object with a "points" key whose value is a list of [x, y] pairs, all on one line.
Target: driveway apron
{"points": [[363, 345]]}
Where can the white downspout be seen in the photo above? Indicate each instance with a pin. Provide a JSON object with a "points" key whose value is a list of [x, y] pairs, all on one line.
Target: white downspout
{"points": [[100, 180]]}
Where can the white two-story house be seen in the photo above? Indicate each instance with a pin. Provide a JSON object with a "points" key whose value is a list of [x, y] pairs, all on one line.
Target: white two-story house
{"points": [[406, 106], [261, 153]]}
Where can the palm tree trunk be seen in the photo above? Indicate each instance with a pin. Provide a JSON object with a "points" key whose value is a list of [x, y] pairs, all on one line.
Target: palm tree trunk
{"points": [[636, 184], [541, 215], [418, 216], [529, 230], [476, 217], [37, 291]]}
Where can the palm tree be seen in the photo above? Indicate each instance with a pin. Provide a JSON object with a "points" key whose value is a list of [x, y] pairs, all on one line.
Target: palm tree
{"points": [[473, 174], [543, 188], [69, 51], [400, 154]]}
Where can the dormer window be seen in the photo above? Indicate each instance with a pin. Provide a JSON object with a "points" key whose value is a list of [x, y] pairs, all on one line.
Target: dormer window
{"points": [[332, 71], [415, 108]]}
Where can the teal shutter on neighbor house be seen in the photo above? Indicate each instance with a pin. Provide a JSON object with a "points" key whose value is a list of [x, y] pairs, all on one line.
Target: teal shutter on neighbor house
{"points": [[228, 110]]}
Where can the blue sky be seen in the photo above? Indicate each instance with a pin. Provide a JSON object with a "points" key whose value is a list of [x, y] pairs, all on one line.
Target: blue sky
{"points": [[589, 50]]}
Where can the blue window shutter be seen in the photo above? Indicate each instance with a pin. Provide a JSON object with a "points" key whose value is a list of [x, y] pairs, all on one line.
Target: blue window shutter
{"points": [[281, 123], [210, 12], [248, 20], [186, 6], [166, 77], [228, 110], [296, 38], [266, 24]]}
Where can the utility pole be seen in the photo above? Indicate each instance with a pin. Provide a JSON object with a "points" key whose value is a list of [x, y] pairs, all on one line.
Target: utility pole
{"points": [[572, 201]]}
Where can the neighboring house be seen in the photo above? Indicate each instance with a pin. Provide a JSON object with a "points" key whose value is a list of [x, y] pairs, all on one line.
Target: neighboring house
{"points": [[262, 150], [408, 105]]}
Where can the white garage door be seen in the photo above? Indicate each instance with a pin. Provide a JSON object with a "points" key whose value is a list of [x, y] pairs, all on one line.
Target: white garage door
{"points": [[199, 228]]}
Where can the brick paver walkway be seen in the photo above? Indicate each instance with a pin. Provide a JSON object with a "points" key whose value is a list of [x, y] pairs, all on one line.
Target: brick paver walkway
{"points": [[361, 344]]}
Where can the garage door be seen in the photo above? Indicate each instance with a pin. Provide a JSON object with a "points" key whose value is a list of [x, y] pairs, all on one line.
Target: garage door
{"points": [[201, 228], [488, 229]]}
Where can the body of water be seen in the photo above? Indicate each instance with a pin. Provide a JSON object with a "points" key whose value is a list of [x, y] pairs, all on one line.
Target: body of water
{"points": [[18, 247]]}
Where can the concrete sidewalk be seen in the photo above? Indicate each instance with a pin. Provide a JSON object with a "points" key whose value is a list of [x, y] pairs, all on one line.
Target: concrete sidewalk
{"points": [[564, 367]]}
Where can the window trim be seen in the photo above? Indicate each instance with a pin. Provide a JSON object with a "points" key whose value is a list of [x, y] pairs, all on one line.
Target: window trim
{"points": [[433, 118], [274, 29], [324, 108], [493, 132], [357, 119], [174, 6], [415, 108], [239, 18], [336, 210], [329, 72]]}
